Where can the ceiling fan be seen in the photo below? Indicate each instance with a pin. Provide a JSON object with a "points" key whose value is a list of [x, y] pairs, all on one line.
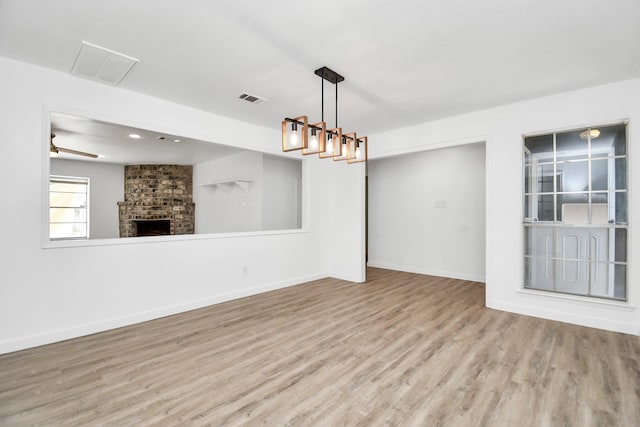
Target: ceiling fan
{"points": [[54, 150]]}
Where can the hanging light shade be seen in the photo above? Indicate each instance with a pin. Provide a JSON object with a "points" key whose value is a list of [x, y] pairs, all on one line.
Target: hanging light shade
{"points": [[346, 147], [332, 143], [297, 134], [294, 133], [360, 150]]}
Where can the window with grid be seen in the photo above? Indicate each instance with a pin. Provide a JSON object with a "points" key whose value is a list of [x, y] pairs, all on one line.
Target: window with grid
{"points": [[575, 212], [68, 207]]}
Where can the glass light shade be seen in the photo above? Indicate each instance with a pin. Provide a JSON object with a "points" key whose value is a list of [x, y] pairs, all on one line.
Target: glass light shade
{"points": [[295, 137], [346, 147], [361, 150], [317, 142], [333, 143], [329, 145]]}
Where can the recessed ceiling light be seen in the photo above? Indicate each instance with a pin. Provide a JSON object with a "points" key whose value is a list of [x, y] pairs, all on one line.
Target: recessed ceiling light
{"points": [[134, 136], [176, 140], [101, 156], [592, 133]]}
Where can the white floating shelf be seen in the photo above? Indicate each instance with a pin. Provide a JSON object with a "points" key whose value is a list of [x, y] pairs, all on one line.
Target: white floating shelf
{"points": [[228, 184]]}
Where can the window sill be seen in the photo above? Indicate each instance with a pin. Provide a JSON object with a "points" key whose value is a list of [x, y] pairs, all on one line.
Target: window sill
{"points": [[620, 305], [51, 244]]}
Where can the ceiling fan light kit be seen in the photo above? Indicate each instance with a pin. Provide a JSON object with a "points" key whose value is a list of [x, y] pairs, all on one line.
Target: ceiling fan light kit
{"points": [[327, 143]]}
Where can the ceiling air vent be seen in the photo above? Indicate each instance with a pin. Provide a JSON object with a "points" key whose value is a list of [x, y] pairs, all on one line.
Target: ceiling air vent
{"points": [[254, 99], [100, 64]]}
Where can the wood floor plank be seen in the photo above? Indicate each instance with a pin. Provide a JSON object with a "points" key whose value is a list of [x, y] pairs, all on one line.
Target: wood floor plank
{"points": [[401, 349]]}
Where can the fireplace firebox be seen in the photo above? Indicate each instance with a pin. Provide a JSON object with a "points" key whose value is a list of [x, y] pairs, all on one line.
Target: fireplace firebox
{"points": [[152, 227]]}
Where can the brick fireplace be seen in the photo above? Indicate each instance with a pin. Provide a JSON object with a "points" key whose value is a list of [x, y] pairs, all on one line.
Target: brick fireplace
{"points": [[158, 199]]}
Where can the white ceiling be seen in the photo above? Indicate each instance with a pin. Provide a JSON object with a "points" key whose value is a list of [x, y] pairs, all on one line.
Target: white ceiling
{"points": [[112, 143], [405, 61]]}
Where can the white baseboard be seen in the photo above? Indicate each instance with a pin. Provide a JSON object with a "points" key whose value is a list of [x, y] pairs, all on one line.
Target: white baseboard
{"points": [[347, 277], [22, 343], [429, 272], [576, 319]]}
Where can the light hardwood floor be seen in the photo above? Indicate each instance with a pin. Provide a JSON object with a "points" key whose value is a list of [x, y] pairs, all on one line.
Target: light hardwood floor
{"points": [[401, 349]]}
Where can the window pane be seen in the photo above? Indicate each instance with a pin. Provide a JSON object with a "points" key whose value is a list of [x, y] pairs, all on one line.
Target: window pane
{"points": [[67, 215], [612, 141], [527, 272], [59, 231], [573, 176], [573, 208], [545, 208], [67, 187], [572, 243], [541, 147], [572, 276], [620, 282], [621, 244], [569, 146], [600, 273], [545, 178], [620, 208], [621, 174], [538, 208], [600, 211], [598, 250], [67, 199], [539, 241], [527, 209], [600, 174], [539, 273]]}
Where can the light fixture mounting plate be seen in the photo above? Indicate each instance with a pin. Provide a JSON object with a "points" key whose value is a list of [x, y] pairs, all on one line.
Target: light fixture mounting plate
{"points": [[329, 75]]}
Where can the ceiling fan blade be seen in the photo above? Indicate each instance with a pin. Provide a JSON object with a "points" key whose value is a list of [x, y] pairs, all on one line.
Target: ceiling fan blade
{"points": [[79, 153]]}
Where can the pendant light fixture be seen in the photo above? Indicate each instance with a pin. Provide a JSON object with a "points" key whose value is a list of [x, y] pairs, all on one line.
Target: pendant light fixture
{"points": [[327, 143]]}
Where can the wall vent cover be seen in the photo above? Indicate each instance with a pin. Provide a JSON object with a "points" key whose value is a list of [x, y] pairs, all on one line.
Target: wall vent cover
{"points": [[104, 65], [254, 99]]}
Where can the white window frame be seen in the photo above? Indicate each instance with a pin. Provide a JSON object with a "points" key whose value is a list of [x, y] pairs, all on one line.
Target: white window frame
{"points": [[72, 179], [530, 218]]}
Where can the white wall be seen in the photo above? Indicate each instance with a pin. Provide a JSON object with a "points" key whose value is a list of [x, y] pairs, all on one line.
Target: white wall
{"points": [[106, 189], [228, 208], [279, 193], [427, 212], [269, 203], [502, 129], [45, 295], [345, 214], [50, 294]]}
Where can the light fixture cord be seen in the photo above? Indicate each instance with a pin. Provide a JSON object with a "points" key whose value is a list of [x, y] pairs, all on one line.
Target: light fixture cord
{"points": [[336, 104], [322, 90]]}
